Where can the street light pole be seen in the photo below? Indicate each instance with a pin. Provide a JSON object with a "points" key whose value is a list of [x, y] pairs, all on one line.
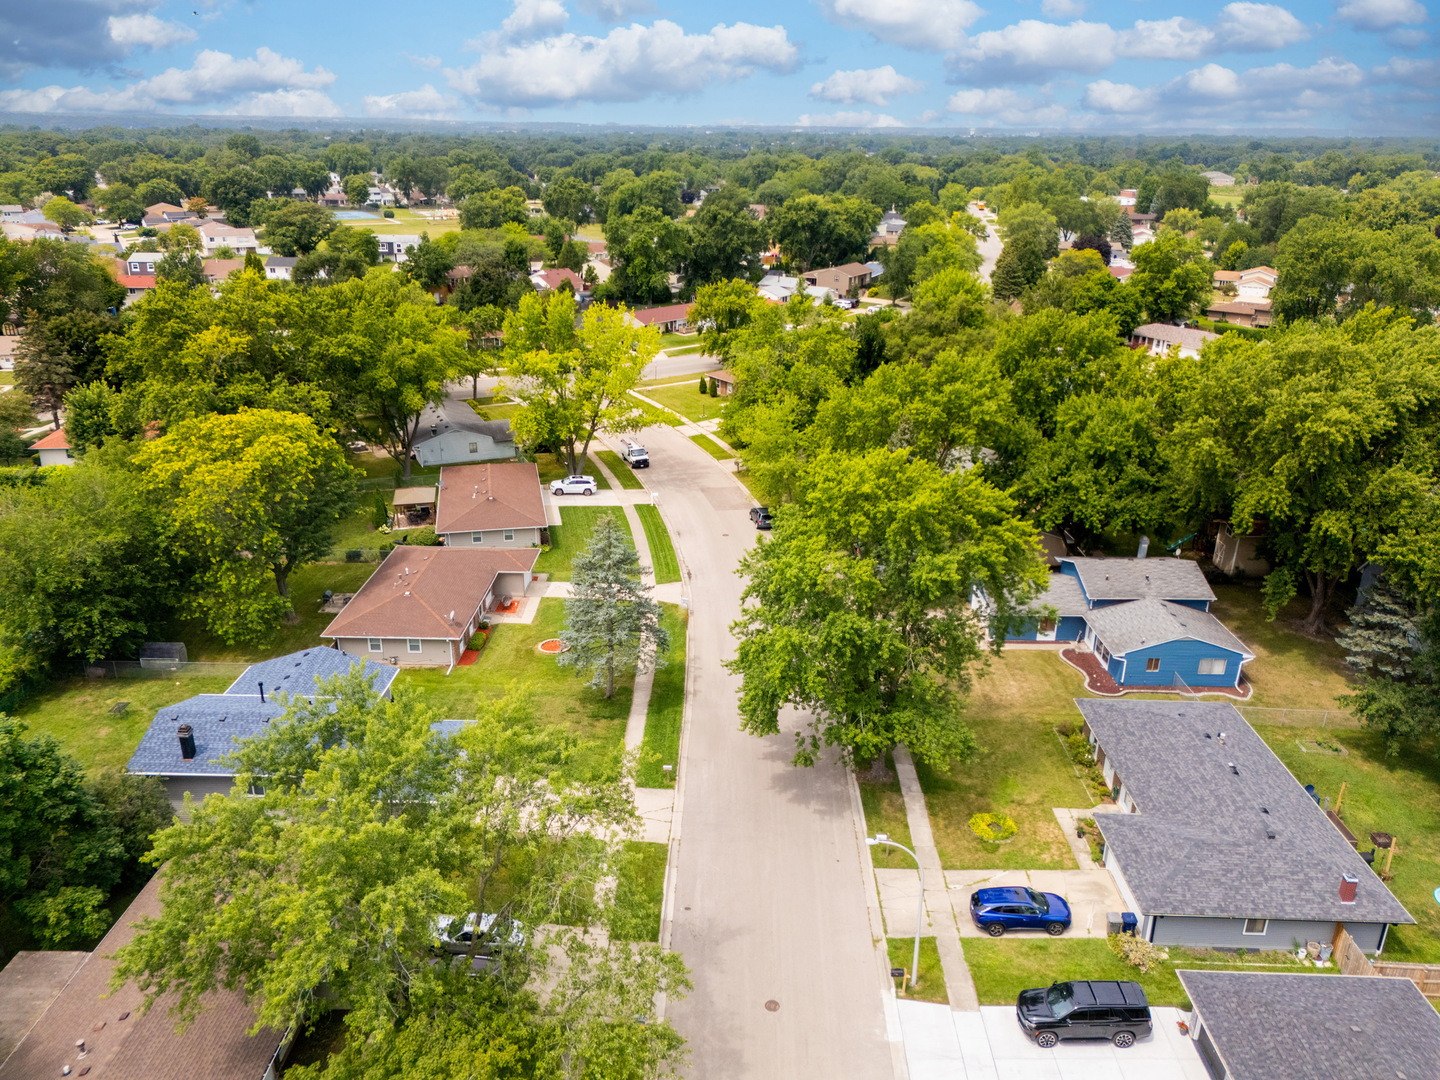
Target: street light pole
{"points": [[881, 838]]}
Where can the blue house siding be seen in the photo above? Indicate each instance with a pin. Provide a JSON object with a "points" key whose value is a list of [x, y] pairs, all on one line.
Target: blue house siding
{"points": [[1116, 667], [1068, 628], [1182, 657]]}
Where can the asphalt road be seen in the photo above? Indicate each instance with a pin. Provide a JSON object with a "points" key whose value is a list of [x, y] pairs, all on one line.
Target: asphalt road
{"points": [[769, 895]]}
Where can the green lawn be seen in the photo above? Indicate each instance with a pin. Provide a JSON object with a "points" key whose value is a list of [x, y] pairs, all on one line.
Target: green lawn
{"points": [[662, 551], [685, 350], [1399, 795], [1022, 770], [510, 658], [663, 715], [1003, 967], [640, 891], [384, 467], [306, 585], [1290, 671], [552, 467], [687, 400], [505, 410], [711, 447], [7, 378], [932, 975], [677, 341], [884, 808], [572, 536], [77, 711], [624, 474]]}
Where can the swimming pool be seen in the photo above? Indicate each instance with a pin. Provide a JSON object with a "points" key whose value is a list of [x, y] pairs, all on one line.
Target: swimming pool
{"points": [[355, 215]]}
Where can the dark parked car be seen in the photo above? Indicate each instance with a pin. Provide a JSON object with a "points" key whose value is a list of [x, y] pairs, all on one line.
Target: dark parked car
{"points": [[760, 515], [1116, 1011], [998, 910]]}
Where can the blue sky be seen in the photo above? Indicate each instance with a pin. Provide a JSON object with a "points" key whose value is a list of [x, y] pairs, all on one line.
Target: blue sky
{"points": [[1363, 67]]}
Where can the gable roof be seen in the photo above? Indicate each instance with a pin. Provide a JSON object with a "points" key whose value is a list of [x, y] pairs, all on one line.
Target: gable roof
{"points": [[1300, 1026], [218, 721], [297, 673], [492, 495], [657, 315], [551, 279], [1064, 595], [460, 417], [136, 281], [1139, 579], [1141, 624], [850, 269], [415, 589], [1166, 334], [1198, 843], [56, 440], [123, 1044], [281, 260]]}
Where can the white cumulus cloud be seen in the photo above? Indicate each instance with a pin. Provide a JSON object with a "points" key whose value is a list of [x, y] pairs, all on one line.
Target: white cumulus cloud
{"points": [[1117, 97], [425, 103], [1409, 72], [1176, 38], [286, 103], [875, 86], [1380, 14], [1246, 27], [614, 10], [843, 119], [1005, 106], [628, 64], [1063, 9], [1032, 51], [534, 18], [931, 25], [147, 32]]}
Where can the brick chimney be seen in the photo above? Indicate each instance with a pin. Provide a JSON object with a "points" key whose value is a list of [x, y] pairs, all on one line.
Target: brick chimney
{"points": [[1348, 884], [187, 752]]}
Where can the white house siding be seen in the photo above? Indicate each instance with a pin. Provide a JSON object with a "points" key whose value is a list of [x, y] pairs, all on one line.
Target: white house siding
{"points": [[56, 457], [494, 538], [1112, 864], [433, 651]]}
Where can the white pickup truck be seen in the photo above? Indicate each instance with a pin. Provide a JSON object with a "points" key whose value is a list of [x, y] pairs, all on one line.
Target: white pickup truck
{"points": [[634, 454]]}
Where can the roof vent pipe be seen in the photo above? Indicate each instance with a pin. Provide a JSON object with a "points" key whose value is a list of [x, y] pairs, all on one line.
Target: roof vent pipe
{"points": [[262, 692], [187, 742], [1144, 548]]}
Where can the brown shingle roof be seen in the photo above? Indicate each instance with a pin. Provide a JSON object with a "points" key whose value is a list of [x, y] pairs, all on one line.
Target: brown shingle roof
{"points": [[417, 604], [139, 1047], [656, 315], [502, 495], [56, 440]]}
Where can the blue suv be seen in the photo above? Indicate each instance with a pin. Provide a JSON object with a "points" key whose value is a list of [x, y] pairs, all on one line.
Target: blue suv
{"points": [[998, 910]]}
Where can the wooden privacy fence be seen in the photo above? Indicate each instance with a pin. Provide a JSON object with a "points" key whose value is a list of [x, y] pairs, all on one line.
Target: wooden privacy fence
{"points": [[1352, 961]]}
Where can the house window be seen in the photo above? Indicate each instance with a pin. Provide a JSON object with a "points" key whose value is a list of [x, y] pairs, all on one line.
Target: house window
{"points": [[1256, 926], [412, 644], [1101, 651], [1212, 666], [375, 645], [477, 538], [474, 448], [509, 535], [1152, 663]]}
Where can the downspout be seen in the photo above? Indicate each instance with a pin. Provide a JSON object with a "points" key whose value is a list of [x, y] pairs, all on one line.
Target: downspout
{"points": [[452, 659]]}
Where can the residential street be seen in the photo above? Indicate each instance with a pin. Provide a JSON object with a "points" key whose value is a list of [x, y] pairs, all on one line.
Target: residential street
{"points": [[768, 896]]}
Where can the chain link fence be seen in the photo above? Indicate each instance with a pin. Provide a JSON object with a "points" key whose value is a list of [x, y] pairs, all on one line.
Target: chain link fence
{"points": [[1301, 718], [160, 669]]}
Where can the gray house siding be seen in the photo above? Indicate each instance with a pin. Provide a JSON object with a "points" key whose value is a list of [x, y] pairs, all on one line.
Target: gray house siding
{"points": [[1280, 934], [197, 786], [433, 651], [521, 538], [454, 448]]}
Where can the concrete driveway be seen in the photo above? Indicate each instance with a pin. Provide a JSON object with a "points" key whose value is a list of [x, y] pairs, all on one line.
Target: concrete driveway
{"points": [[941, 1044], [767, 898], [1090, 894]]}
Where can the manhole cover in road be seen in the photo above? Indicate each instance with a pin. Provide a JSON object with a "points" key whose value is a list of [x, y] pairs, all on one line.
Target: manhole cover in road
{"points": [[772, 1005]]}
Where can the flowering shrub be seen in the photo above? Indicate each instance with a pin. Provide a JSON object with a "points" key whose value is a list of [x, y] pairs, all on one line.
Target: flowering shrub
{"points": [[994, 828], [1136, 951]]}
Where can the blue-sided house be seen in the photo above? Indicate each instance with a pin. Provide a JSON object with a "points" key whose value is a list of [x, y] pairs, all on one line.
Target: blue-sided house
{"points": [[1147, 620], [188, 742]]}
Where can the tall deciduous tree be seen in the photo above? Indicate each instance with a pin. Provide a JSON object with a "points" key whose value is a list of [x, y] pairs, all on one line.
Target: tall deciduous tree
{"points": [[611, 623], [575, 382], [250, 496], [66, 214], [1172, 276], [372, 826], [297, 228], [861, 613], [823, 230]]}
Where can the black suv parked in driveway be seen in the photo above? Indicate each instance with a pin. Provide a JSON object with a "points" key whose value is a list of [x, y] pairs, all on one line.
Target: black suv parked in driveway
{"points": [[1116, 1011]]}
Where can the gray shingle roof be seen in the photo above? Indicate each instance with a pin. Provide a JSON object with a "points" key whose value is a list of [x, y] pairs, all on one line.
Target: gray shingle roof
{"points": [[1198, 845], [297, 672], [461, 417], [1141, 579], [1064, 595], [1142, 623], [1304, 1027], [219, 721]]}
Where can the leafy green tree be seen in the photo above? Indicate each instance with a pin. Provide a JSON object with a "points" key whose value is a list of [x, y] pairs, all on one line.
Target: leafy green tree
{"points": [[492, 209], [87, 415], [1011, 277], [925, 250], [429, 264], [120, 203], [160, 190], [233, 191], [356, 188], [573, 382], [16, 415], [296, 228], [251, 497], [66, 214], [726, 239], [568, 199], [861, 605], [370, 827], [83, 565], [611, 622], [44, 369], [722, 308], [645, 248], [184, 268], [137, 808], [823, 230], [1172, 276], [1319, 431], [59, 854], [53, 278]]}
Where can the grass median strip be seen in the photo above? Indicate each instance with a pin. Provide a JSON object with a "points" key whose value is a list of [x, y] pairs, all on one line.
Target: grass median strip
{"points": [[663, 716], [662, 551], [640, 891], [711, 447], [932, 975], [572, 536], [623, 473]]}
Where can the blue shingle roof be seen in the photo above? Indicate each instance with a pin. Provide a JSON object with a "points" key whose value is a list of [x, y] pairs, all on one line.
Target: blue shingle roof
{"points": [[218, 721], [297, 672]]}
